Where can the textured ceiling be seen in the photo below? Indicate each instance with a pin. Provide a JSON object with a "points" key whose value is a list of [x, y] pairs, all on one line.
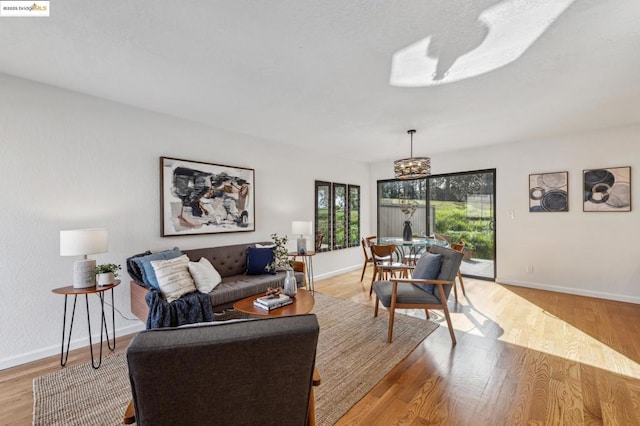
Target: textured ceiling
{"points": [[349, 76]]}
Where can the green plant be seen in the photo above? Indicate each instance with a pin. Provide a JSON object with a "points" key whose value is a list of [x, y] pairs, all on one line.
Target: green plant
{"points": [[280, 254], [108, 267]]}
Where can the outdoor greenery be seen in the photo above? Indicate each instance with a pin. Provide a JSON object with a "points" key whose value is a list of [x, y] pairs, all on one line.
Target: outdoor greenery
{"points": [[452, 220]]}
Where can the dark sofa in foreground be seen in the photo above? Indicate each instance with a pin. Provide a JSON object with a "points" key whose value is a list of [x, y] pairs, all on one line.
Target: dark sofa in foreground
{"points": [[231, 263]]}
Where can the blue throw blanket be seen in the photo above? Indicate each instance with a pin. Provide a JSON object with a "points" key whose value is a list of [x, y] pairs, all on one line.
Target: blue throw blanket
{"points": [[189, 309]]}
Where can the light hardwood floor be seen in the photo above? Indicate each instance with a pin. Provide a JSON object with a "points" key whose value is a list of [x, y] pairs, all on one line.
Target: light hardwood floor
{"points": [[523, 357]]}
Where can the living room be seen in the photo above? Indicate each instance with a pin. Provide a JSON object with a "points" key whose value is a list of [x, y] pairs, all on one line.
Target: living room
{"points": [[77, 156]]}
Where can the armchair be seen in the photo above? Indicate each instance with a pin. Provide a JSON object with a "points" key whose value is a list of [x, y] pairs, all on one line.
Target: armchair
{"points": [[241, 373], [428, 288]]}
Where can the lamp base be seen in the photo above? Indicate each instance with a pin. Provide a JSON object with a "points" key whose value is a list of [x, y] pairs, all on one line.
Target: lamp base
{"points": [[302, 246], [84, 273]]}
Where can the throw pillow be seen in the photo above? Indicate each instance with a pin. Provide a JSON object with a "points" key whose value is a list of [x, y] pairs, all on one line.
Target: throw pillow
{"points": [[258, 245], [173, 277], [144, 264], [258, 259], [427, 268], [205, 275]]}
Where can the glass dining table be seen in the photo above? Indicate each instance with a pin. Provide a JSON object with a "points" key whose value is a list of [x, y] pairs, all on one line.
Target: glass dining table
{"points": [[410, 250]]}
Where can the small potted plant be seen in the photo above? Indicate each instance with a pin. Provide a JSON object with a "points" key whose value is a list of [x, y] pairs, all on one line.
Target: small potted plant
{"points": [[106, 273]]}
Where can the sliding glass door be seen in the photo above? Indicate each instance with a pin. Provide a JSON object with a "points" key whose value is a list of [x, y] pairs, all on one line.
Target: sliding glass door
{"points": [[457, 207], [464, 208]]}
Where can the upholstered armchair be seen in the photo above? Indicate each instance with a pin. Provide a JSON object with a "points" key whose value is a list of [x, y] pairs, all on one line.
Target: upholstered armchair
{"points": [[428, 288], [229, 373]]}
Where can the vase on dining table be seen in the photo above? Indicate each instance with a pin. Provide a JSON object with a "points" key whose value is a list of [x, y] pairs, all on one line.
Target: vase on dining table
{"points": [[407, 234]]}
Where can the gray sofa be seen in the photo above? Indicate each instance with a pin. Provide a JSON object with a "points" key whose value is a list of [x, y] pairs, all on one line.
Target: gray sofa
{"points": [[231, 263], [226, 373]]}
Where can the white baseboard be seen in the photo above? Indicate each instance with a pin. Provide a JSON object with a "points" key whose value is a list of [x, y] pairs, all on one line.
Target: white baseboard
{"points": [[55, 349], [336, 272], [570, 290]]}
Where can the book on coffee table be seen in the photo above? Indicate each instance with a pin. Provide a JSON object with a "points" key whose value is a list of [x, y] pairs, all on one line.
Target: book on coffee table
{"points": [[269, 303]]}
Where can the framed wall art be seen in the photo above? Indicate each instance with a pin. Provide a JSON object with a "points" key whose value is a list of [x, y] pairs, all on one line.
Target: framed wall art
{"points": [[607, 190], [205, 198], [549, 192]]}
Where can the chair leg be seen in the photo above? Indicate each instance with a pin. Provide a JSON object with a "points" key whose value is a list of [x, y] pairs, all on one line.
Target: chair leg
{"points": [[426, 311], [364, 268], [455, 290], [448, 318], [461, 283], [375, 312], [129, 414], [391, 315]]}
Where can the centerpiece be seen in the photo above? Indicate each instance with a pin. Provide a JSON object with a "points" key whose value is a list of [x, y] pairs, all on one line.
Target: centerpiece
{"points": [[408, 209]]}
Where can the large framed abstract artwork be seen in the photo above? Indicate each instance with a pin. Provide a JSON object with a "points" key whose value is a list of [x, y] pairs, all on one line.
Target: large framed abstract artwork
{"points": [[205, 198], [549, 192], [607, 190]]}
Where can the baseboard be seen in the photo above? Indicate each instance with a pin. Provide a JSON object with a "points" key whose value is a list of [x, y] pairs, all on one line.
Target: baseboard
{"points": [[570, 290], [336, 272], [55, 349]]}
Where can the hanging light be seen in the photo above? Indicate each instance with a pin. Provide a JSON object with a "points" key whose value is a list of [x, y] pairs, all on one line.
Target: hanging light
{"points": [[412, 167]]}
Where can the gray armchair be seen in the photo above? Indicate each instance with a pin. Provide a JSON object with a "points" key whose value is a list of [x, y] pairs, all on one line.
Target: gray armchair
{"points": [[428, 288], [238, 373]]}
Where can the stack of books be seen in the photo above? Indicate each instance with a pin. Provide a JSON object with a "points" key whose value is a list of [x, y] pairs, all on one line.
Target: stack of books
{"points": [[268, 303]]}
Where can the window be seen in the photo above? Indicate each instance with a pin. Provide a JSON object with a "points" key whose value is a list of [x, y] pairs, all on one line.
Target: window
{"points": [[337, 216]]}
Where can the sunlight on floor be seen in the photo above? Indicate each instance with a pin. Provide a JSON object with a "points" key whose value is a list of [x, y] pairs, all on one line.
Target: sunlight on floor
{"points": [[499, 36]]}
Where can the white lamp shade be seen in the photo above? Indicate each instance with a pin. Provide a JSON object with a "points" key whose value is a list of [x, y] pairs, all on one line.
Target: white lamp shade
{"points": [[301, 228], [80, 242]]}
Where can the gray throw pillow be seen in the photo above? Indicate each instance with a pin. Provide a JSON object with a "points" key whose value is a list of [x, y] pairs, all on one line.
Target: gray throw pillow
{"points": [[428, 268]]}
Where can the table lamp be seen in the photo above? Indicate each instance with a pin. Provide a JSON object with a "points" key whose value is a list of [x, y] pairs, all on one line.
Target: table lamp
{"points": [[81, 242], [301, 228]]}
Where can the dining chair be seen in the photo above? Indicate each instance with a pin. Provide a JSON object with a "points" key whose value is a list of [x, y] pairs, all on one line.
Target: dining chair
{"points": [[428, 288], [366, 249], [458, 248], [383, 255]]}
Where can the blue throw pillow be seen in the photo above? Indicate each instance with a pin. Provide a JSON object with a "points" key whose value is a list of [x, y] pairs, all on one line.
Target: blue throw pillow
{"points": [[427, 268], [144, 263], [258, 259]]}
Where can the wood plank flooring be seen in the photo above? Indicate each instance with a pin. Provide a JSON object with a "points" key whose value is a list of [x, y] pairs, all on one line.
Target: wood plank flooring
{"points": [[523, 357]]}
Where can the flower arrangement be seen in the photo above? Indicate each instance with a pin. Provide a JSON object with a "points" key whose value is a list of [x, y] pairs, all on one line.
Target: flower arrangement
{"points": [[281, 254], [408, 209]]}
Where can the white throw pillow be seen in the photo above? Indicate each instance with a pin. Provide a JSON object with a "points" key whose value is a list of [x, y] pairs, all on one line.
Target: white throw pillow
{"points": [[258, 245], [173, 277], [205, 275]]}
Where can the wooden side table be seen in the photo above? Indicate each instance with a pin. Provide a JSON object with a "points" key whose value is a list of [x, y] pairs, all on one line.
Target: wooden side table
{"points": [[307, 258], [75, 292]]}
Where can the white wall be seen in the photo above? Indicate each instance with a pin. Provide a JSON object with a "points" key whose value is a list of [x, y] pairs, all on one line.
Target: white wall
{"points": [[71, 161], [591, 254]]}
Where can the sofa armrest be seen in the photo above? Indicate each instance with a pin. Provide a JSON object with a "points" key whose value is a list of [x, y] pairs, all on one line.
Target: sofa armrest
{"points": [[139, 306]]}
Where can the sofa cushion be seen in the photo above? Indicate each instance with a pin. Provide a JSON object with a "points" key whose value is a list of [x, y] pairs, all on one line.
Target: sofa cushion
{"points": [[173, 277], [428, 268], [205, 275], [258, 259], [144, 264]]}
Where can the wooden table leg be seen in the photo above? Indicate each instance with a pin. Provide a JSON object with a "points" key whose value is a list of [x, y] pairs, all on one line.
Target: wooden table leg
{"points": [[129, 414]]}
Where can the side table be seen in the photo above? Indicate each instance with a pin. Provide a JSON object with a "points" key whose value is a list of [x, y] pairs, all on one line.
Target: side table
{"points": [[307, 258], [75, 292]]}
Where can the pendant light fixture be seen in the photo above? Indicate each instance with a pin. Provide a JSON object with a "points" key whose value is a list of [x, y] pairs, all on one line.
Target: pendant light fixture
{"points": [[412, 167]]}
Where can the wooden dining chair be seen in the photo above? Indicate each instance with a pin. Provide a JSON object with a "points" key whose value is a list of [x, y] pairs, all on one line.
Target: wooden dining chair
{"points": [[458, 248], [366, 249], [383, 255]]}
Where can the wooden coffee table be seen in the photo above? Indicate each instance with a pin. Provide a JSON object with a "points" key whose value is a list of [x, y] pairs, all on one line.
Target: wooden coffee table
{"points": [[302, 304]]}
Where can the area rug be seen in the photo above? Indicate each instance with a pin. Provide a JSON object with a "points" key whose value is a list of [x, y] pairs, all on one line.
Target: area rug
{"points": [[352, 357]]}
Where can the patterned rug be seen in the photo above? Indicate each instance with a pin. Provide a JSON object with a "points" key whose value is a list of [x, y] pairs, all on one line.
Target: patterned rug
{"points": [[352, 357]]}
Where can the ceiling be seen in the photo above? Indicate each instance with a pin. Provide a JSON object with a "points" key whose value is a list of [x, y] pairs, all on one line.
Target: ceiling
{"points": [[348, 77]]}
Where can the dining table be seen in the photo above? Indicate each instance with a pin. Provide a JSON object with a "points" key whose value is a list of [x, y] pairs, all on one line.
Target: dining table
{"points": [[410, 249]]}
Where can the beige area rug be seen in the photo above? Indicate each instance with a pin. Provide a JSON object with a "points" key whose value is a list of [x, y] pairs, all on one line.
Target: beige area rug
{"points": [[352, 357]]}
